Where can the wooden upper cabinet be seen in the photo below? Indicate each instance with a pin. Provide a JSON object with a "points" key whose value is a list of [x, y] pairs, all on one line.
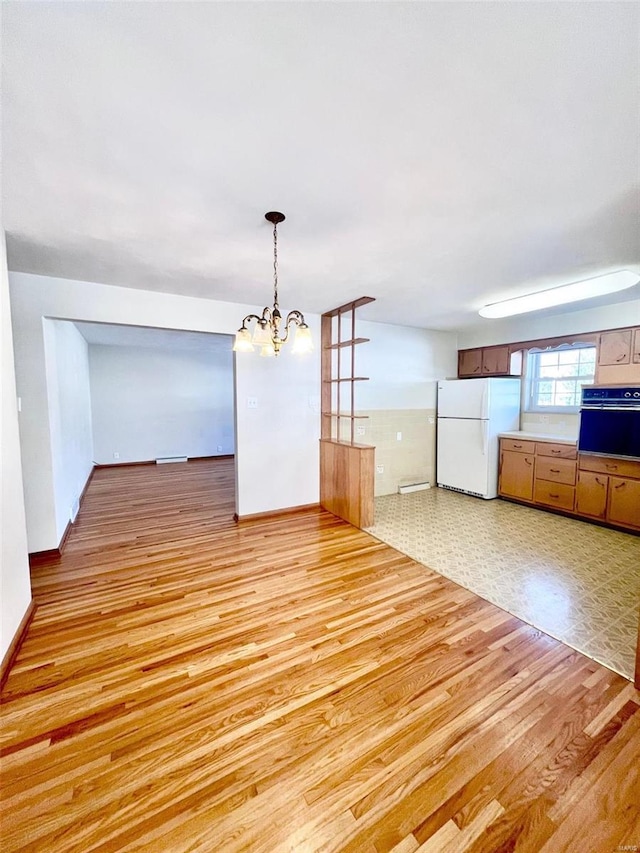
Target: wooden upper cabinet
{"points": [[470, 362], [615, 347], [489, 361], [618, 357], [495, 361]]}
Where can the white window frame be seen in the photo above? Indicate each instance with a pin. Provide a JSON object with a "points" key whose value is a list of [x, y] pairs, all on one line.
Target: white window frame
{"points": [[532, 378]]}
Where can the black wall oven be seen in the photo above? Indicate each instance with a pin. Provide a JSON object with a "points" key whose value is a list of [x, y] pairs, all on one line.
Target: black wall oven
{"points": [[610, 421]]}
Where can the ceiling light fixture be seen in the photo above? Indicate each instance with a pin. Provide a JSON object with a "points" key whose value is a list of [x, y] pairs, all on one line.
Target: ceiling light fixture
{"points": [[266, 334], [578, 290]]}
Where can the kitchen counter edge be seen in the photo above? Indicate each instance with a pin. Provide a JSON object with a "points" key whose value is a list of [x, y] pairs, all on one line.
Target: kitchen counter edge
{"points": [[539, 436]]}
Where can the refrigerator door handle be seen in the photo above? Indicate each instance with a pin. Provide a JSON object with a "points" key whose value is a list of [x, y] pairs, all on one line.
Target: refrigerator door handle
{"points": [[485, 438], [483, 402]]}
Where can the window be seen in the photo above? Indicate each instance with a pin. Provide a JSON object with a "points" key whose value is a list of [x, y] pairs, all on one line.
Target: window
{"points": [[555, 377]]}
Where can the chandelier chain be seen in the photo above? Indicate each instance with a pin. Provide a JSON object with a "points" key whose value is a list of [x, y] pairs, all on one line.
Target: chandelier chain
{"points": [[275, 265]]}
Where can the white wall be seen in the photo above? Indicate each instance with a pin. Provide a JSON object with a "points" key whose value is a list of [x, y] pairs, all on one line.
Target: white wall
{"points": [[149, 402], [274, 438], [67, 368], [403, 364], [399, 400], [530, 327], [15, 586], [276, 444]]}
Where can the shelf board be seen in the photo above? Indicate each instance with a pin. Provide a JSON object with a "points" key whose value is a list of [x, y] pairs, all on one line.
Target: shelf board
{"points": [[348, 343], [348, 417], [348, 379], [367, 447]]}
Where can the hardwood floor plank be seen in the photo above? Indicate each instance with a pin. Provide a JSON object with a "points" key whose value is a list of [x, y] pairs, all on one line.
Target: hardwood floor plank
{"points": [[291, 683]]}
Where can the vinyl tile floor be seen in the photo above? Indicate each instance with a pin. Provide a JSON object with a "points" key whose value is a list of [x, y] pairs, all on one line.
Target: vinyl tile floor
{"points": [[576, 581]]}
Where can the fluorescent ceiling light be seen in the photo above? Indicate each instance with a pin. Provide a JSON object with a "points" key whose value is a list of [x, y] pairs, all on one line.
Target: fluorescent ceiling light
{"points": [[587, 289]]}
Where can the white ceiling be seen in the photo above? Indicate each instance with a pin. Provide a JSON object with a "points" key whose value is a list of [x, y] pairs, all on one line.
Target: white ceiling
{"points": [[434, 155]]}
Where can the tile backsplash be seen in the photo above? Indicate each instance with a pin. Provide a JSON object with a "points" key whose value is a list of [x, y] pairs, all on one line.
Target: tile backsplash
{"points": [[551, 424], [405, 442]]}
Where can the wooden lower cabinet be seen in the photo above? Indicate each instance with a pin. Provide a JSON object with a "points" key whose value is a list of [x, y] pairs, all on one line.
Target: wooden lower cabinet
{"points": [[609, 489], [539, 472], [624, 502], [553, 475], [516, 474], [591, 494]]}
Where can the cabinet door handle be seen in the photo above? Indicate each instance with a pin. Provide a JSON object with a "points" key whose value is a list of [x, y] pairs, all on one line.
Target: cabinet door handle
{"points": [[476, 369], [611, 467], [528, 461], [556, 451], [620, 357], [517, 446], [553, 496], [599, 482], [554, 470], [620, 485]]}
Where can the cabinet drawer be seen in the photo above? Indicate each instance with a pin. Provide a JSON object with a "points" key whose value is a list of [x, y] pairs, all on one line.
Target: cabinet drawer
{"points": [[517, 445], [554, 494], [556, 470], [558, 451], [610, 465]]}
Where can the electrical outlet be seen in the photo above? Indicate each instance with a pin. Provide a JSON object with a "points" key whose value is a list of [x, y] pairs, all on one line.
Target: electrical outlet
{"points": [[361, 430], [544, 419], [379, 469], [116, 455], [219, 448], [252, 402], [398, 436], [431, 420]]}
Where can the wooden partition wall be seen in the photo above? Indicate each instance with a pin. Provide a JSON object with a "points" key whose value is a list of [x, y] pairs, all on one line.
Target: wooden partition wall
{"points": [[346, 467]]}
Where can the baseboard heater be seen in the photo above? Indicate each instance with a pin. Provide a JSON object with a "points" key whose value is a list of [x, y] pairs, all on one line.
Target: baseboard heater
{"points": [[413, 487], [161, 460]]}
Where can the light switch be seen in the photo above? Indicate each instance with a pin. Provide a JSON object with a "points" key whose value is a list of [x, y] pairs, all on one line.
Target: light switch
{"points": [[252, 402]]}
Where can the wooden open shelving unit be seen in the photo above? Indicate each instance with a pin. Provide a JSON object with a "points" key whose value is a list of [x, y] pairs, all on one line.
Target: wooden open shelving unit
{"points": [[346, 467]]}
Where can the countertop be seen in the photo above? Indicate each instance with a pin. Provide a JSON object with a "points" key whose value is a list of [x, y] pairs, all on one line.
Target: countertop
{"points": [[539, 436]]}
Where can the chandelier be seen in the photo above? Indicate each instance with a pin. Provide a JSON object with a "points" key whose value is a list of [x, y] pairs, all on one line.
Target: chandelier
{"points": [[267, 334]]}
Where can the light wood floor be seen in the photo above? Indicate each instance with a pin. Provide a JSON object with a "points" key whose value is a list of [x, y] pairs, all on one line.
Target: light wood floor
{"points": [[293, 684]]}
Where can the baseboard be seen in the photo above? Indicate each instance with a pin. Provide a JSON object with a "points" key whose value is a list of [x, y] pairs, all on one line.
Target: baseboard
{"points": [[123, 464], [275, 513], [65, 536], [86, 486], [153, 461], [14, 646], [53, 553], [36, 557]]}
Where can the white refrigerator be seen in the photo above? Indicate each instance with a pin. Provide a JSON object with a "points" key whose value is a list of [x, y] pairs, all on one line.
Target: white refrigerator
{"points": [[471, 415]]}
